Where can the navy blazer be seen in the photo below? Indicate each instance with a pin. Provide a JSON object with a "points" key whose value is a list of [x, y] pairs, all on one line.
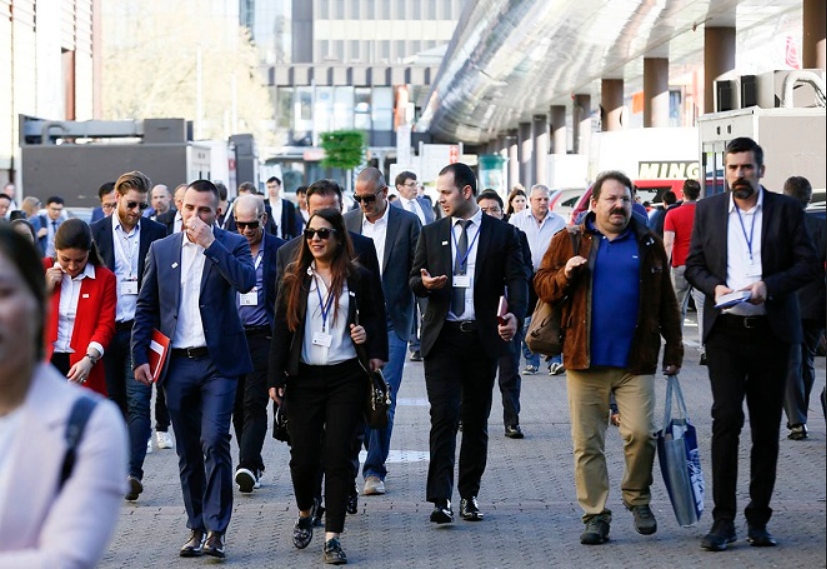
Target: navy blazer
{"points": [[228, 269], [102, 233], [499, 268], [788, 260], [272, 244], [401, 236]]}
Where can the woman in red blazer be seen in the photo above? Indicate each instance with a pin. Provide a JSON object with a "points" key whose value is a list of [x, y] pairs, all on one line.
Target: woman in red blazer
{"points": [[81, 321]]}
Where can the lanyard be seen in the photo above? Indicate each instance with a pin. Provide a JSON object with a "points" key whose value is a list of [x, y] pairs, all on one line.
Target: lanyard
{"points": [[464, 259], [257, 260], [744, 229], [323, 306], [122, 238]]}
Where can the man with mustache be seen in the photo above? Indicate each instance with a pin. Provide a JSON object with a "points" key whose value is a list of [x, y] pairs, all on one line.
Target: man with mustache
{"points": [[752, 240], [621, 302]]}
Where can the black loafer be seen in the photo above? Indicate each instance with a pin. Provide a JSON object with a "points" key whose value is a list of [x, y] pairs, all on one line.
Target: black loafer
{"points": [[469, 510], [214, 546], [194, 546], [721, 535], [442, 513], [514, 432], [758, 536], [303, 532]]}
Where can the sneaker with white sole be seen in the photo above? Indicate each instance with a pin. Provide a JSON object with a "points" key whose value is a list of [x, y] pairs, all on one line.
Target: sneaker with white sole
{"points": [[163, 439], [530, 370], [246, 480], [373, 486], [556, 369], [149, 445]]}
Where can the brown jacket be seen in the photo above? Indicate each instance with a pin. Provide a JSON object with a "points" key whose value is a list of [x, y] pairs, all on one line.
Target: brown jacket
{"points": [[658, 313]]}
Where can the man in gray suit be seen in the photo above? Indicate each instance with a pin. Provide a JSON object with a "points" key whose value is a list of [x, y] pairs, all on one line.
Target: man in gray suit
{"points": [[394, 232]]}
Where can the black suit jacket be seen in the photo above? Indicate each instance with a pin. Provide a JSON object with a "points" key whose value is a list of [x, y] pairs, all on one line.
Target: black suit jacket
{"points": [[401, 236], [788, 259], [289, 222], [272, 244], [499, 268], [102, 234], [167, 219]]}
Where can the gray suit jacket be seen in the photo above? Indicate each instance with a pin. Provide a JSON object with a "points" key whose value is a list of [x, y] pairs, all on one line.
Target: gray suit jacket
{"points": [[424, 204], [400, 246]]}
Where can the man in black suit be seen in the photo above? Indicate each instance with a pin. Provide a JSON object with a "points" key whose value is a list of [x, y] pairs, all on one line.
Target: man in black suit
{"points": [[123, 240], [394, 232], [284, 212], [171, 219], [753, 241], [464, 263]]}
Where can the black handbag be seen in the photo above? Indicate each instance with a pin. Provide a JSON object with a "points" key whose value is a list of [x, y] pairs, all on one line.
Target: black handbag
{"points": [[378, 400], [281, 430]]}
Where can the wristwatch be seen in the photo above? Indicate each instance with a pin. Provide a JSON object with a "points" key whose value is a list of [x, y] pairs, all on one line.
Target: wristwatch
{"points": [[92, 359]]}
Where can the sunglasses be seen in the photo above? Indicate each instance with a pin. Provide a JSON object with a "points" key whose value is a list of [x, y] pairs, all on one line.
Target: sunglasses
{"points": [[140, 205], [323, 233], [370, 198], [242, 225]]}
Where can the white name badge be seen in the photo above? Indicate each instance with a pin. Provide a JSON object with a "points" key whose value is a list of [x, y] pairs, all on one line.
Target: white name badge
{"points": [[462, 281], [322, 339], [754, 270], [129, 288], [250, 298]]}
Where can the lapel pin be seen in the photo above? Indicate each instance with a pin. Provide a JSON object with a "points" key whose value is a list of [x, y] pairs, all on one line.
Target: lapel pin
{"points": [[175, 265], [85, 295], [444, 243]]}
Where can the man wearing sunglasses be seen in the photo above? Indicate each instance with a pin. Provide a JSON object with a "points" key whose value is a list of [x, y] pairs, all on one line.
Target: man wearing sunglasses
{"points": [[123, 240], [394, 232], [256, 310]]}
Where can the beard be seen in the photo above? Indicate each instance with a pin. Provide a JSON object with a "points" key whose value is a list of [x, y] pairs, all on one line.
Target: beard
{"points": [[741, 189]]}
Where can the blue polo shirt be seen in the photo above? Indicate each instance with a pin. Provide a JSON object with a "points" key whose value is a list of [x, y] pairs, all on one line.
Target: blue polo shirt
{"points": [[615, 298]]}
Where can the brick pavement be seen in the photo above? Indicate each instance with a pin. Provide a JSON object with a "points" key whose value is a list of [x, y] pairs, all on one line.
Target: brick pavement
{"points": [[532, 518]]}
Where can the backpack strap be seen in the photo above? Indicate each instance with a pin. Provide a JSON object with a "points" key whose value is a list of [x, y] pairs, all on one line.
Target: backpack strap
{"points": [[574, 234], [78, 417]]}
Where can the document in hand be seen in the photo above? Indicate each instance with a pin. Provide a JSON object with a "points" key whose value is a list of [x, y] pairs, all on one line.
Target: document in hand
{"points": [[733, 298], [158, 349], [502, 309]]}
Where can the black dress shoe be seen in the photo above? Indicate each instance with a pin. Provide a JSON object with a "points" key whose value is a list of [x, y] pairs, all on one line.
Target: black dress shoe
{"points": [[442, 513], [469, 510], [194, 546], [721, 534], [214, 545], [758, 536], [513, 432], [317, 512], [352, 506]]}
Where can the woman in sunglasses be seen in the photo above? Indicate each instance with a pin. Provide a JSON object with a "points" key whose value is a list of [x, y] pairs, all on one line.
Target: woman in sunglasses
{"points": [[81, 321], [329, 328]]}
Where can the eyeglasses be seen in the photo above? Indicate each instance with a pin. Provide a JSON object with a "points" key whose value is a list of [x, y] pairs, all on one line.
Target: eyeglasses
{"points": [[140, 205], [109, 205], [323, 233], [369, 198], [410, 184], [242, 225]]}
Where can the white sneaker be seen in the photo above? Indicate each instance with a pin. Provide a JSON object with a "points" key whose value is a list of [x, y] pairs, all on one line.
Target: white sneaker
{"points": [[149, 445], [163, 439], [373, 486]]}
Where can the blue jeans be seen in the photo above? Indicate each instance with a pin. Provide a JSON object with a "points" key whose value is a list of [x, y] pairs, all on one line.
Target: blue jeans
{"points": [[379, 440], [530, 357]]}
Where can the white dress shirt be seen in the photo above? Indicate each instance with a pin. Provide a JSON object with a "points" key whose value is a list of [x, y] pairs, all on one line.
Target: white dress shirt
{"points": [[69, 296], [377, 231], [275, 208], [341, 345], [413, 207], [9, 426], [189, 332], [744, 265], [538, 234], [176, 224], [126, 247], [472, 231]]}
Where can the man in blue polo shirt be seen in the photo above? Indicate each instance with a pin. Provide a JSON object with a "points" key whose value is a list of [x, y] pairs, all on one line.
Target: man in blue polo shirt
{"points": [[621, 301]]}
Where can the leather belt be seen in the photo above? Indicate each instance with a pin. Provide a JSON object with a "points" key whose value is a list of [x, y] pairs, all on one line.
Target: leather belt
{"points": [[464, 326], [256, 330], [190, 353], [735, 322], [125, 325]]}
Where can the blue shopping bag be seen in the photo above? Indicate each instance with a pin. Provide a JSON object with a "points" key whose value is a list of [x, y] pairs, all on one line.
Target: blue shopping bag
{"points": [[680, 461]]}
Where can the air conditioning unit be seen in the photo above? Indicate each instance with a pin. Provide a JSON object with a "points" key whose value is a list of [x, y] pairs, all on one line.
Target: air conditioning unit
{"points": [[770, 88], [726, 95]]}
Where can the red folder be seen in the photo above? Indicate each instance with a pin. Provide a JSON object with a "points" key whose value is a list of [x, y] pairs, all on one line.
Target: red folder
{"points": [[158, 350], [502, 309]]}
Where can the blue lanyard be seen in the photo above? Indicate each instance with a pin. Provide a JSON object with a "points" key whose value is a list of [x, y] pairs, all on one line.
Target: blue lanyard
{"points": [[463, 260], [323, 306], [744, 229]]}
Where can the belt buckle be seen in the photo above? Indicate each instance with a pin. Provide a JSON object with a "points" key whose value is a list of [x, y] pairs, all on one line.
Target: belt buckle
{"points": [[191, 353], [750, 322], [466, 326]]}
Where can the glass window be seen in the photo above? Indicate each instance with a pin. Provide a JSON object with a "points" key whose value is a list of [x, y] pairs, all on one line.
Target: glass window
{"points": [[416, 47], [399, 46], [284, 107], [338, 10], [323, 109], [355, 51], [338, 50], [324, 9], [382, 111], [384, 10], [303, 109], [356, 9], [361, 108], [445, 10], [416, 10], [322, 49], [400, 9], [384, 50], [430, 13], [370, 9], [343, 108]]}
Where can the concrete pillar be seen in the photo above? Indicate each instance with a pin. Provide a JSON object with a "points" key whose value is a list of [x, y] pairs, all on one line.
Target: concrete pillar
{"points": [[655, 92], [719, 61], [526, 149], [541, 144], [513, 159], [611, 101], [582, 123], [814, 23], [559, 136]]}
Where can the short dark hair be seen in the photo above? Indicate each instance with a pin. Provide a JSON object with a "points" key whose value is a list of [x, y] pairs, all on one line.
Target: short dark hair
{"points": [[205, 186], [669, 197], [463, 176], [799, 188], [272, 179], [691, 189], [105, 189], [490, 195], [5, 197], [26, 258], [301, 190], [222, 190], [745, 144], [74, 233], [55, 199], [247, 187], [615, 175], [325, 188], [403, 177]]}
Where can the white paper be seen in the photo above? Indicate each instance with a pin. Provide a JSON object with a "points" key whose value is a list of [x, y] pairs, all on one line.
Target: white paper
{"points": [[733, 298]]}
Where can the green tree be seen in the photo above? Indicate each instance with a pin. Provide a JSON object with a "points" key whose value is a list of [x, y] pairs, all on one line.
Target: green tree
{"points": [[343, 149]]}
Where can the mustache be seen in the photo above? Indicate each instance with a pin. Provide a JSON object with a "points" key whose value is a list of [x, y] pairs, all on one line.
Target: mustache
{"points": [[740, 182], [618, 211]]}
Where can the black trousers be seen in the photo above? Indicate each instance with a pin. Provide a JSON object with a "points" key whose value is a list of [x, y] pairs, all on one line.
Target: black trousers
{"points": [[250, 408], [459, 371], [325, 399], [510, 381], [752, 364], [114, 365]]}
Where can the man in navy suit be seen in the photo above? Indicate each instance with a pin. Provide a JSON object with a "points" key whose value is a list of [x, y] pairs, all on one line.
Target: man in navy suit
{"points": [[123, 239], [189, 294], [257, 311], [394, 232], [284, 212], [753, 241], [109, 201]]}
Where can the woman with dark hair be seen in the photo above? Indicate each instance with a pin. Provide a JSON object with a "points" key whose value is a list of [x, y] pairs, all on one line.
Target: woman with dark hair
{"points": [[329, 330], [82, 319], [62, 518], [517, 201]]}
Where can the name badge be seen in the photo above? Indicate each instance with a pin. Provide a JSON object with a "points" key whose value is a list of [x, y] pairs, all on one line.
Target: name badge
{"points": [[754, 270], [462, 281], [129, 288], [322, 339], [250, 298]]}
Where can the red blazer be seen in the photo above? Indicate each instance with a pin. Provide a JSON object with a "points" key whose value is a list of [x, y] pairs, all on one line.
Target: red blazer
{"points": [[95, 321]]}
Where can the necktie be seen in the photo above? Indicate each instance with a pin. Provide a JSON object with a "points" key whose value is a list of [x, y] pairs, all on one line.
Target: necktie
{"points": [[410, 207], [460, 266]]}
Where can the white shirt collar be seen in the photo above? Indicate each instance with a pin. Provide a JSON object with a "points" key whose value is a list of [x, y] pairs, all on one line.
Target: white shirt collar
{"points": [[116, 223], [758, 204], [381, 220], [476, 219]]}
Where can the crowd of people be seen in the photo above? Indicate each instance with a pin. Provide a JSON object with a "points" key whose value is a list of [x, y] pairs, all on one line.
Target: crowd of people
{"points": [[260, 300]]}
